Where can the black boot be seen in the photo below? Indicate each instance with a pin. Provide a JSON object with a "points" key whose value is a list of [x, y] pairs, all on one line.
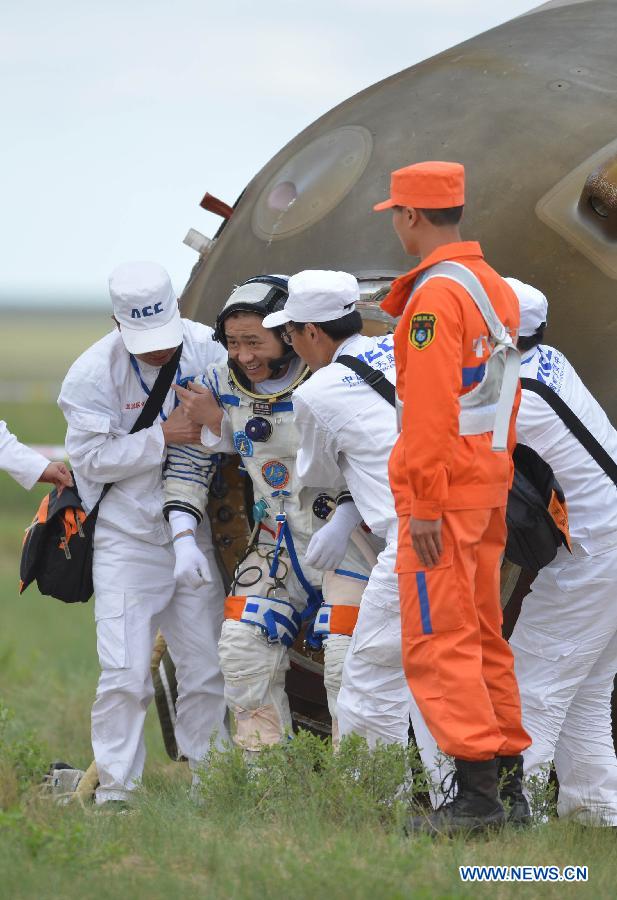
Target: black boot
{"points": [[476, 806], [510, 777]]}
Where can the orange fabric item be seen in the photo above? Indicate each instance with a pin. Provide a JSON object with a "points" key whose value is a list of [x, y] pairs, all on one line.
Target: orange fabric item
{"points": [[234, 607], [426, 185], [459, 668], [432, 468], [343, 619]]}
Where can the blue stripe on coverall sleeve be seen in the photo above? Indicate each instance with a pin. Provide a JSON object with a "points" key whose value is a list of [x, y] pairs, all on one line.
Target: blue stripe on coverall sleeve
{"points": [[471, 374], [425, 611]]}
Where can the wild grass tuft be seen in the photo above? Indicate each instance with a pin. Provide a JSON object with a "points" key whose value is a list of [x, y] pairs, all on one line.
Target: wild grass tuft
{"points": [[304, 780]]}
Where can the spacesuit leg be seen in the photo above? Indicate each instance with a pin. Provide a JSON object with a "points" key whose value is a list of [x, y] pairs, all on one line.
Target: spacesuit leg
{"points": [[132, 585], [253, 666], [254, 672], [342, 594], [192, 626]]}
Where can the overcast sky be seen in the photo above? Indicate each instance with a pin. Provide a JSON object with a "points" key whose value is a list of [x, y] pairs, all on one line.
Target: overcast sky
{"points": [[118, 116]]}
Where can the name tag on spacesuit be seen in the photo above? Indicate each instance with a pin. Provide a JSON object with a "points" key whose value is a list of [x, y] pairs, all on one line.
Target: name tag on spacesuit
{"points": [[261, 408]]}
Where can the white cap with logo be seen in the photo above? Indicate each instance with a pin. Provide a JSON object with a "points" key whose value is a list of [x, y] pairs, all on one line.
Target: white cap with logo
{"points": [[316, 295], [533, 305], [146, 307]]}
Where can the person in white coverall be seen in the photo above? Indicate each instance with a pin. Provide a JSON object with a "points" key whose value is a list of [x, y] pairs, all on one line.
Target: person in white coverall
{"points": [[27, 466], [133, 565], [347, 429], [565, 640], [245, 407]]}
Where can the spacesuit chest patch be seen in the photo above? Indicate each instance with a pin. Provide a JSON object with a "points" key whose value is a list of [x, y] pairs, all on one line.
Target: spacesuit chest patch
{"points": [[275, 473], [243, 443], [422, 330]]}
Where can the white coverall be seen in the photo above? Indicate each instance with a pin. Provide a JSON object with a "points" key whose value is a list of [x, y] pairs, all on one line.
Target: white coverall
{"points": [[346, 426], [565, 640], [135, 591], [254, 664], [21, 462]]}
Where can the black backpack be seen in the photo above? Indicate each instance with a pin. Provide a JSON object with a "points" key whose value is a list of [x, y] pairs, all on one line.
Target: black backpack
{"points": [[536, 514], [58, 546]]}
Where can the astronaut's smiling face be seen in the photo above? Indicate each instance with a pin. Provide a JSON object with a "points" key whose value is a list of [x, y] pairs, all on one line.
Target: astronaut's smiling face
{"points": [[251, 346]]}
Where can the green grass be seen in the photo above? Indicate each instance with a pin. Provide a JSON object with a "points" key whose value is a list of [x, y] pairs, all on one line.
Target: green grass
{"points": [[306, 825], [37, 348]]}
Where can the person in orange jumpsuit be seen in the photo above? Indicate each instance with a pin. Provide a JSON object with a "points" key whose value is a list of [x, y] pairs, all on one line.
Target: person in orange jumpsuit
{"points": [[450, 488]]}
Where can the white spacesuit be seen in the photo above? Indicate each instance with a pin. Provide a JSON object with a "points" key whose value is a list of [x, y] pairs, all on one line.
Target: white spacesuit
{"points": [[274, 586]]}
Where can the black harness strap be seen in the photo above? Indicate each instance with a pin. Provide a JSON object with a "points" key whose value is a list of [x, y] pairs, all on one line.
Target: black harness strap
{"points": [[572, 421], [373, 377], [152, 406]]}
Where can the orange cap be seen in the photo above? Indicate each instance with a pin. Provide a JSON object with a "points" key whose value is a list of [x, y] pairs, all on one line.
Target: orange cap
{"points": [[426, 185]]}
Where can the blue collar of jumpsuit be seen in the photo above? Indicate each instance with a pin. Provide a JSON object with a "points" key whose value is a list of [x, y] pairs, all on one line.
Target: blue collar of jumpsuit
{"points": [[145, 387]]}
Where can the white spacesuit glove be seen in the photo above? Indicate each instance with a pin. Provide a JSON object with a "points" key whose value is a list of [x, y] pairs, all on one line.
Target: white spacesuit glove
{"points": [[191, 566], [327, 547]]}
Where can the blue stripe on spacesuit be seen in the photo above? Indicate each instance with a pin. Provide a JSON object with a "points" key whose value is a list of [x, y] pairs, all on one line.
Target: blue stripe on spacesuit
{"points": [[189, 451], [351, 574], [229, 399], [177, 477], [425, 611]]}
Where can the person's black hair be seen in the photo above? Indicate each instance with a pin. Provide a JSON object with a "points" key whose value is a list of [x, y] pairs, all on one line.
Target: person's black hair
{"points": [[337, 329], [527, 343], [450, 215]]}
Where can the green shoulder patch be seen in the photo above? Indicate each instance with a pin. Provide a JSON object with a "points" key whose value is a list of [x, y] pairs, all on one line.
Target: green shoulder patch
{"points": [[422, 330]]}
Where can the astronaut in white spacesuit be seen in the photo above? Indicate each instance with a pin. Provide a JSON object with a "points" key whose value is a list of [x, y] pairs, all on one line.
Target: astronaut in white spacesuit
{"points": [[245, 407]]}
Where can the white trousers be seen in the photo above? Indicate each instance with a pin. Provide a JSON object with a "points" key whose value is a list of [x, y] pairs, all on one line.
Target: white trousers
{"points": [[565, 656], [375, 701], [135, 595]]}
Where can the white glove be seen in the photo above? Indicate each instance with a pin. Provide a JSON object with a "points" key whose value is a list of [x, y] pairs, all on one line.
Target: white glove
{"points": [[328, 546], [191, 567]]}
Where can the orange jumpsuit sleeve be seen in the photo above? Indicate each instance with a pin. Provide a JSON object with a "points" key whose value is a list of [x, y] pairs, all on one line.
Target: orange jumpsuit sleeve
{"points": [[432, 384]]}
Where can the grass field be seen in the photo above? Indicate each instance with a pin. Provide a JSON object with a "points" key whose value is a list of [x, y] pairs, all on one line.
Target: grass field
{"points": [[308, 826]]}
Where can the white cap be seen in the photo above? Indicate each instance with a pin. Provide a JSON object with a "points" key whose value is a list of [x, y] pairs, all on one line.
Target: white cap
{"points": [[317, 296], [146, 307], [533, 305]]}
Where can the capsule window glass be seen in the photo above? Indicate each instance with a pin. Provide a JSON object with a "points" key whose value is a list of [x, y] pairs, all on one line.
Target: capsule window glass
{"points": [[312, 182]]}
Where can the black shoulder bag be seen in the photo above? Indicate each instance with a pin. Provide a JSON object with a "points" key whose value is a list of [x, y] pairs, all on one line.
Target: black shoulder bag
{"points": [[532, 536], [57, 549]]}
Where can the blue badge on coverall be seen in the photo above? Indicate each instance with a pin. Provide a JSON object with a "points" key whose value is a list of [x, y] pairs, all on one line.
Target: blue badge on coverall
{"points": [[243, 443], [275, 473]]}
